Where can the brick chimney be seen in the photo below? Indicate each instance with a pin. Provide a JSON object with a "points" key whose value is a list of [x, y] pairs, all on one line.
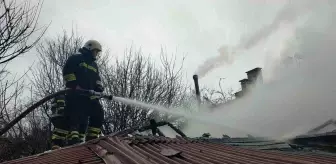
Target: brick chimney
{"points": [[255, 75], [244, 84]]}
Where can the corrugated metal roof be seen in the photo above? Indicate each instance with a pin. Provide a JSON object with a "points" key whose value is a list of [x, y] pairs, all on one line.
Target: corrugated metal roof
{"points": [[331, 134], [269, 145], [254, 144], [322, 141], [163, 150], [77, 154]]}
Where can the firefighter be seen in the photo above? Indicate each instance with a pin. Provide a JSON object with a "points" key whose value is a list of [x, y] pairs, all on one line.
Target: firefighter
{"points": [[81, 72]]}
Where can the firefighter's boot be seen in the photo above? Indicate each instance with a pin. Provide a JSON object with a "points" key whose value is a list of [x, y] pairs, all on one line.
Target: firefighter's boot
{"points": [[92, 133], [58, 138]]}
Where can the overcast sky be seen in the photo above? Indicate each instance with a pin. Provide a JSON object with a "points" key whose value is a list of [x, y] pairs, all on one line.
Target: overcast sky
{"points": [[196, 29]]}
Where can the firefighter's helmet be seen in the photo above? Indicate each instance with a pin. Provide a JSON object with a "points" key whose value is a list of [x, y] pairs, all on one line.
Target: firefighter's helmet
{"points": [[93, 45]]}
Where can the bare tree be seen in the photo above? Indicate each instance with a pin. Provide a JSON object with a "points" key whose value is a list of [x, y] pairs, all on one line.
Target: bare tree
{"points": [[10, 101], [33, 140], [138, 77], [53, 53], [18, 26], [215, 97], [18, 34], [13, 145], [30, 135]]}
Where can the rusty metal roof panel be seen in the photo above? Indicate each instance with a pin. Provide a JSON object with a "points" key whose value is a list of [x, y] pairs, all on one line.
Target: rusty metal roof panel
{"points": [[147, 150], [163, 150], [78, 154], [253, 143]]}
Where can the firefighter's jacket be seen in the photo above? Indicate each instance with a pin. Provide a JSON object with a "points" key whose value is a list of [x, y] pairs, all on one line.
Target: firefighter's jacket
{"points": [[82, 70]]}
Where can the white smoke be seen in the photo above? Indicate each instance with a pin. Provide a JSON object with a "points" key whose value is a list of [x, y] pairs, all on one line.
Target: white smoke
{"points": [[301, 95], [289, 15], [225, 57]]}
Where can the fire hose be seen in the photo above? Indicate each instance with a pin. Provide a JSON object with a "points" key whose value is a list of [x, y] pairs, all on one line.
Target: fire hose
{"points": [[47, 98]]}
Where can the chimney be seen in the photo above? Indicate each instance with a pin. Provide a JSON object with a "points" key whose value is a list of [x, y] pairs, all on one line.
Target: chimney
{"points": [[198, 94], [255, 75], [244, 84]]}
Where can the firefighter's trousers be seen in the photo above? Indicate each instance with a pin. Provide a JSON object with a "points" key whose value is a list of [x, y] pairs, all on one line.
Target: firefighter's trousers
{"points": [[60, 133], [81, 111]]}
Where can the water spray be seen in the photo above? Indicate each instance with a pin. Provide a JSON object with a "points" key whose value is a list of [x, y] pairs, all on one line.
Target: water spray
{"points": [[200, 119], [119, 99]]}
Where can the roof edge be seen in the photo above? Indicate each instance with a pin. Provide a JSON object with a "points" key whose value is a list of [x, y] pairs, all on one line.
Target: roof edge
{"points": [[254, 69]]}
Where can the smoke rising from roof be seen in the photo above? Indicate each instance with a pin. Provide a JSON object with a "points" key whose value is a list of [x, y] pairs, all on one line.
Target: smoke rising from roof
{"points": [[225, 57], [302, 95], [289, 14]]}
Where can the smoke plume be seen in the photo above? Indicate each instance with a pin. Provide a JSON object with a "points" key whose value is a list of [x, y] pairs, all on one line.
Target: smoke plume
{"points": [[225, 57], [302, 96], [289, 14]]}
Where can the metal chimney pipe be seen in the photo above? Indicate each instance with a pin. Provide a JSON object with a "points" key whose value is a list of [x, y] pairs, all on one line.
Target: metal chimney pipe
{"points": [[198, 94]]}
